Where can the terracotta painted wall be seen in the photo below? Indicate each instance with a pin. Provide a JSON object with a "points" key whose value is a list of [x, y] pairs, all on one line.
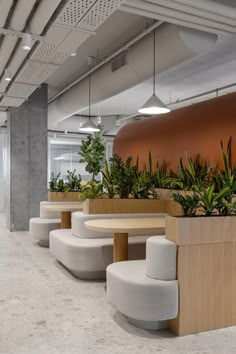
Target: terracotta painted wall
{"points": [[192, 129]]}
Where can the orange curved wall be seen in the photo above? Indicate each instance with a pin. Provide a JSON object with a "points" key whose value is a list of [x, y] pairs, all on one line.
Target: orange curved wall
{"points": [[192, 129]]}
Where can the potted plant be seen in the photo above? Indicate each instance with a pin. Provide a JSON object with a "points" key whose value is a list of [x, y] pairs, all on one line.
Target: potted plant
{"points": [[93, 153], [129, 189], [66, 191], [206, 253], [204, 210]]}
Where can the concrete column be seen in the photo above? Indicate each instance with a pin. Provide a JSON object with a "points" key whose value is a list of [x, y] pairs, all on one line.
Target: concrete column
{"points": [[27, 151]]}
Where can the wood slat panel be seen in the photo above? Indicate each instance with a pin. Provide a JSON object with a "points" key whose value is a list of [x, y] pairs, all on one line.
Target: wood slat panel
{"points": [[207, 288]]}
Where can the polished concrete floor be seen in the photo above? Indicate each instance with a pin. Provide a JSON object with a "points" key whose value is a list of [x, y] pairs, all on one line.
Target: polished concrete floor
{"points": [[44, 310]]}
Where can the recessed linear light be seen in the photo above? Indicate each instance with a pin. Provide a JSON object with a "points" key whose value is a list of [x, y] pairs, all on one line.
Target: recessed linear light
{"points": [[59, 158]]}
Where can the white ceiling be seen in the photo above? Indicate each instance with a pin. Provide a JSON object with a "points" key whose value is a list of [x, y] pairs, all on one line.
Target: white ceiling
{"points": [[116, 31], [195, 76], [206, 72], [202, 74]]}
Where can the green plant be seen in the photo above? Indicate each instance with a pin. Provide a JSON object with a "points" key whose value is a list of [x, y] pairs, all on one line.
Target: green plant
{"points": [[142, 187], [195, 175], [210, 202], [93, 153], [124, 175], [73, 181], [109, 179], [226, 176], [61, 186], [159, 175], [189, 203], [92, 190], [53, 182]]}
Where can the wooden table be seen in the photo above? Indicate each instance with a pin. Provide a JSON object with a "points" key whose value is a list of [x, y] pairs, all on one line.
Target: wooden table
{"points": [[121, 229], [65, 212]]}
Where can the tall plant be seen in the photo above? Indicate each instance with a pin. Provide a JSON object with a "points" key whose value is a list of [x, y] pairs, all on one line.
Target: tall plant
{"points": [[53, 182], [189, 203], [124, 175], [93, 153], [193, 175], [158, 175], [73, 181]]}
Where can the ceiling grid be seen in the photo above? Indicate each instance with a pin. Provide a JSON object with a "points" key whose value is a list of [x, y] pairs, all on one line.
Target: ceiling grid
{"points": [[99, 13], [72, 27], [12, 102], [36, 72], [21, 90], [74, 11]]}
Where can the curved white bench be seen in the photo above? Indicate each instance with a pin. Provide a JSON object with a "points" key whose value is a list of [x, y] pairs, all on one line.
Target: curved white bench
{"points": [[40, 229], [87, 253], [48, 220], [89, 258], [148, 300]]}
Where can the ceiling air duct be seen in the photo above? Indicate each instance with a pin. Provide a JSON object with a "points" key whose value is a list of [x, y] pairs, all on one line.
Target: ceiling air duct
{"points": [[175, 46]]}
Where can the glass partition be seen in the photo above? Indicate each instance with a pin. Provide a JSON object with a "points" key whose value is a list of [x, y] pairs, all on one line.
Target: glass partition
{"points": [[64, 155]]}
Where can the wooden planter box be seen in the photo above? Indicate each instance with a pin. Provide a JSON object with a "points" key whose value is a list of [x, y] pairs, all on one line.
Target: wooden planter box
{"points": [[125, 206], [206, 272], [201, 229], [63, 197]]}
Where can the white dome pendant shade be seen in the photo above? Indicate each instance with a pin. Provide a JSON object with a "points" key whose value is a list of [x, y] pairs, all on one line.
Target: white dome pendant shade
{"points": [[89, 127], [154, 105]]}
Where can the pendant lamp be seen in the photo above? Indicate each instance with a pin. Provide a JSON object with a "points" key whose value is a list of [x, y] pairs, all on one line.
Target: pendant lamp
{"points": [[154, 105], [89, 126]]}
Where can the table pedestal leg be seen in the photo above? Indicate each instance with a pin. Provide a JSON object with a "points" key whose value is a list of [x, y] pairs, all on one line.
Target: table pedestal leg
{"points": [[120, 247], [66, 220]]}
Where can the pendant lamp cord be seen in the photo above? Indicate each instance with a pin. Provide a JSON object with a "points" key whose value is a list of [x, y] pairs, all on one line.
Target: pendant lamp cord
{"points": [[89, 89], [154, 62]]}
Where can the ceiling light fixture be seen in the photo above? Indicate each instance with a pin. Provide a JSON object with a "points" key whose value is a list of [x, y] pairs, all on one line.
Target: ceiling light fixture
{"points": [[154, 105], [26, 41], [73, 54], [89, 126], [59, 158], [7, 75]]}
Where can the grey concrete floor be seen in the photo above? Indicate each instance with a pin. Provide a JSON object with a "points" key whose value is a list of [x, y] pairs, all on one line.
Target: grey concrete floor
{"points": [[44, 310]]}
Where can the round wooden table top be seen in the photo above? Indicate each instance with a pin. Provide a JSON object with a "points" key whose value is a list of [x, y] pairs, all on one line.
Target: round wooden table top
{"points": [[66, 207], [126, 225]]}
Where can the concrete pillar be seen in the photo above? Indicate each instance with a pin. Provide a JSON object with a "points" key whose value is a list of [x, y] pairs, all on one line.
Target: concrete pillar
{"points": [[27, 151]]}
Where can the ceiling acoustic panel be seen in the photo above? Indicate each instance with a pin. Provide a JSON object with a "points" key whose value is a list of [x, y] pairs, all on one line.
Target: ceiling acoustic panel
{"points": [[35, 72], [99, 13], [52, 40], [21, 90], [71, 44], [12, 102], [74, 11]]}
